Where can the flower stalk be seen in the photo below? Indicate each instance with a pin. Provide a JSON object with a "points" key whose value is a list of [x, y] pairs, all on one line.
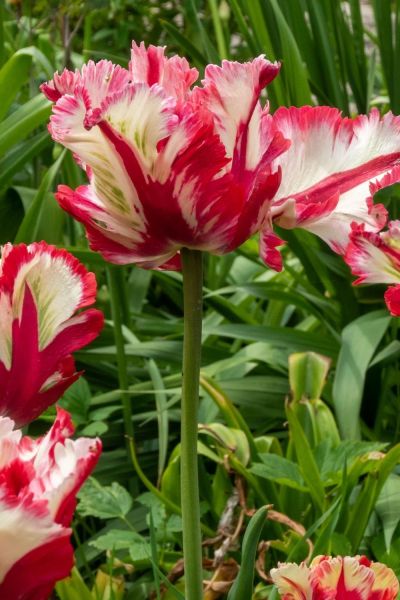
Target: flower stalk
{"points": [[192, 269]]}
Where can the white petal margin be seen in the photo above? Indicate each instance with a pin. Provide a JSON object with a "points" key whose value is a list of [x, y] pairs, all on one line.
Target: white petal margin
{"points": [[332, 168], [231, 93], [112, 186], [325, 144], [375, 258], [58, 282], [22, 529]]}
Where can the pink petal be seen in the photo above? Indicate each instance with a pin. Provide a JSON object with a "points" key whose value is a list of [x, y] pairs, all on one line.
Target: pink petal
{"points": [[37, 497], [230, 95], [375, 258], [292, 581], [342, 577], [43, 287], [98, 79], [386, 584], [327, 172], [152, 66]]}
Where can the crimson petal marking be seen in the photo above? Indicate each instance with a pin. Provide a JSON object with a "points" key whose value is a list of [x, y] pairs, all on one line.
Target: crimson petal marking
{"points": [[99, 80], [44, 287], [111, 237], [37, 496], [58, 282], [190, 208], [230, 94], [143, 116], [329, 167], [151, 66], [34, 576], [341, 577], [113, 190], [61, 84], [375, 258], [103, 79], [392, 299]]}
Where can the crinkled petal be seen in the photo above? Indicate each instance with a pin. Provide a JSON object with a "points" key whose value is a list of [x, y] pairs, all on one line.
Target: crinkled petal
{"points": [[375, 258], [292, 581], [42, 287], [99, 80], [231, 94], [38, 485], [386, 584], [327, 172], [341, 577], [150, 65]]}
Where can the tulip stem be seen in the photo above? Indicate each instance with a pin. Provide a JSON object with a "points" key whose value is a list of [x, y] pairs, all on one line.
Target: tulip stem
{"points": [[192, 269]]}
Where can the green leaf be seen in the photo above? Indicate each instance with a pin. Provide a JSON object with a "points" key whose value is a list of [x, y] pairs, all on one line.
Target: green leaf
{"points": [[388, 507], [281, 470], [162, 414], [13, 74], [305, 459], [21, 155], [22, 121], [73, 588], [307, 375], [360, 340], [243, 585], [117, 539], [29, 228], [231, 440], [76, 400], [293, 70], [105, 502], [364, 504]]}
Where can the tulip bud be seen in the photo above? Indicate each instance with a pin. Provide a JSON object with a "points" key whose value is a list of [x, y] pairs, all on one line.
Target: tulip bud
{"points": [[107, 587]]}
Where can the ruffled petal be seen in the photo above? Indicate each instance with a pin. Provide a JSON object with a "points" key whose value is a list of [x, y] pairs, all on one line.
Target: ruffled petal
{"points": [[341, 577], [38, 485], [328, 171], [151, 66], [42, 287], [386, 584], [230, 96], [374, 257], [292, 581], [98, 79]]}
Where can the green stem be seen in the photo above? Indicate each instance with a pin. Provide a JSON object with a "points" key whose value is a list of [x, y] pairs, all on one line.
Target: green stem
{"points": [[114, 285], [192, 269]]}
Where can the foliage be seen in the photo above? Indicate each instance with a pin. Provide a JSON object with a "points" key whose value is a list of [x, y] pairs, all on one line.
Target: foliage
{"points": [[267, 435]]}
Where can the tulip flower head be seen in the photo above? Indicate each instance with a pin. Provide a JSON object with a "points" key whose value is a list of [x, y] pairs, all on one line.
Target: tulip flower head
{"points": [[168, 166], [41, 288], [375, 258], [330, 174], [340, 578], [39, 480]]}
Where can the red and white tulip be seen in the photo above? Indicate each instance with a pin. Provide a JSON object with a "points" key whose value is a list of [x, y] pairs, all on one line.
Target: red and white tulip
{"points": [[168, 166], [375, 258], [41, 289], [39, 480], [330, 173], [340, 578]]}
